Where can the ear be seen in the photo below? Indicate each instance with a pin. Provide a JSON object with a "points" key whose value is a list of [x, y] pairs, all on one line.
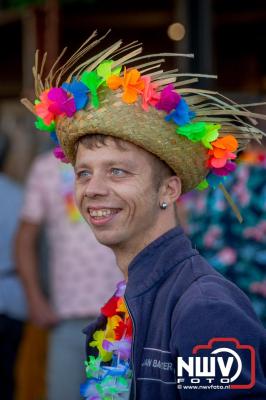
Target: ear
{"points": [[171, 189]]}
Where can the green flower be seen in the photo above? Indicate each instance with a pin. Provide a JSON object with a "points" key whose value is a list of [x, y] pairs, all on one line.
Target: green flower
{"points": [[92, 366], [104, 70], [111, 386], [200, 132], [203, 185], [43, 127], [92, 81]]}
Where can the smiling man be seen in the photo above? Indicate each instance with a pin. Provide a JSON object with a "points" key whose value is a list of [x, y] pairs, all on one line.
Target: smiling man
{"points": [[137, 144], [118, 189]]}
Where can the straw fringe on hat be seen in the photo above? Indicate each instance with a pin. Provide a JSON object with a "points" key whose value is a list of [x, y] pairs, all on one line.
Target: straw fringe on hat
{"points": [[147, 129]]}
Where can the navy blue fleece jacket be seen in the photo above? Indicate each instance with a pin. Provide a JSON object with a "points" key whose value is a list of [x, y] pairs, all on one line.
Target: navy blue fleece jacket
{"points": [[178, 301]]}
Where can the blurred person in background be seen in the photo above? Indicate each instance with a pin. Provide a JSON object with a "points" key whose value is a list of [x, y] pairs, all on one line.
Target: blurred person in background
{"points": [[238, 251], [81, 271], [12, 300]]}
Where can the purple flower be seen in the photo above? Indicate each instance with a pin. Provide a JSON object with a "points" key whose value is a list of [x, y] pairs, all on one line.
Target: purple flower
{"points": [[120, 289], [58, 153], [226, 170], [61, 103], [169, 99], [121, 347]]}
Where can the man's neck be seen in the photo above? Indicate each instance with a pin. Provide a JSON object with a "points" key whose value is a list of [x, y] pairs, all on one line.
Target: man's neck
{"points": [[125, 253]]}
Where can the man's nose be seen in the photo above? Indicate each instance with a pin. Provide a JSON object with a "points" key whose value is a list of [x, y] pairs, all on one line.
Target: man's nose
{"points": [[96, 186]]}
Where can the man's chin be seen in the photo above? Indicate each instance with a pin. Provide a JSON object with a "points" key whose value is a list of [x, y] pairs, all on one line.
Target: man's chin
{"points": [[106, 239]]}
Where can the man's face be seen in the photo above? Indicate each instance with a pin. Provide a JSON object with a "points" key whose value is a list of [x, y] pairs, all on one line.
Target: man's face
{"points": [[116, 194]]}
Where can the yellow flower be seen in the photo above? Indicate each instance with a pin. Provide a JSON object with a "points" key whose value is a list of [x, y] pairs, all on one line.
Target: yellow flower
{"points": [[98, 337]]}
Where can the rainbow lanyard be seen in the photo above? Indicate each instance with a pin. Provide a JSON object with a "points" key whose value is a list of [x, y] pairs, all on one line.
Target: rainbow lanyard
{"points": [[109, 376], [67, 178]]}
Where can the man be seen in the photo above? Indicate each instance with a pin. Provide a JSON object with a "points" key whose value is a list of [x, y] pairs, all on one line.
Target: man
{"points": [[175, 298], [136, 145], [80, 271], [12, 299]]}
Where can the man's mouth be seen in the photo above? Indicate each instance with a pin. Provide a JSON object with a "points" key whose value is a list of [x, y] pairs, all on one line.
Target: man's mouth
{"points": [[100, 216]]}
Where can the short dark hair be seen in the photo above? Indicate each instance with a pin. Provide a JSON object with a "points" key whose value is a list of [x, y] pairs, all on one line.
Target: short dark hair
{"points": [[99, 139], [4, 149], [160, 169]]}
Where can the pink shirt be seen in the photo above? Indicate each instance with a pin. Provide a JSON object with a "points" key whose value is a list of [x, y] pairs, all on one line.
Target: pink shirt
{"points": [[83, 273]]}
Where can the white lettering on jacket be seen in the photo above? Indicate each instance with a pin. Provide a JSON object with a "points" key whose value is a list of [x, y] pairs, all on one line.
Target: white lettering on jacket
{"points": [[157, 365]]}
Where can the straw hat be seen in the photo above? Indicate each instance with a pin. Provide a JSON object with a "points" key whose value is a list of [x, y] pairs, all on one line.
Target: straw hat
{"points": [[145, 129], [128, 96]]}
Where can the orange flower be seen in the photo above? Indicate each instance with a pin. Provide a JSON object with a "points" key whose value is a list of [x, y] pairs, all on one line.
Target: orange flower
{"points": [[131, 82], [222, 150], [114, 82], [121, 307], [124, 329], [112, 324]]}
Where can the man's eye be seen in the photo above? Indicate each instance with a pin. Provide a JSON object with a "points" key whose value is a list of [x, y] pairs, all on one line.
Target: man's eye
{"points": [[118, 172], [83, 174]]}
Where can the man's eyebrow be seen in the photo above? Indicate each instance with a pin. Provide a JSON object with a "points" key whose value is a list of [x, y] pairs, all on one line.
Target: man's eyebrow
{"points": [[80, 165], [127, 163]]}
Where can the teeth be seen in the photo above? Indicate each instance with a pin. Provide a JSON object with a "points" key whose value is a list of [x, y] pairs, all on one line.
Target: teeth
{"points": [[102, 213]]}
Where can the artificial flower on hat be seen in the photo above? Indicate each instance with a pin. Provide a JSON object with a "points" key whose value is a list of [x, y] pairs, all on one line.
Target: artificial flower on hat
{"points": [[131, 83], [222, 150]]}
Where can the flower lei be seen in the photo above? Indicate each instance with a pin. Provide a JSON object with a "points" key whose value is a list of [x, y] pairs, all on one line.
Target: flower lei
{"points": [[74, 96], [109, 375]]}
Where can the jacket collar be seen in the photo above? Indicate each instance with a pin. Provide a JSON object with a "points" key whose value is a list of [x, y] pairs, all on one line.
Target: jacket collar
{"points": [[155, 261]]}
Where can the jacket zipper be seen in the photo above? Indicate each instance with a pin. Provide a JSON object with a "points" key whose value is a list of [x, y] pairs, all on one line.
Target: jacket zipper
{"points": [[132, 348]]}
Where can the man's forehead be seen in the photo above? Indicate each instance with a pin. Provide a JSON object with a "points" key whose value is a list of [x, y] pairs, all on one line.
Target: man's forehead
{"points": [[122, 150], [108, 156]]}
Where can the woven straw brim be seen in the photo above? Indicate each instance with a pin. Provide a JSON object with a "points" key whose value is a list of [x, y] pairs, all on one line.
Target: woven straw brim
{"points": [[148, 130]]}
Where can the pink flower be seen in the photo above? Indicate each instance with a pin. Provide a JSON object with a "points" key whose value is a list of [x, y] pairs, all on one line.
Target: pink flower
{"points": [[222, 151], [149, 94], [42, 108]]}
